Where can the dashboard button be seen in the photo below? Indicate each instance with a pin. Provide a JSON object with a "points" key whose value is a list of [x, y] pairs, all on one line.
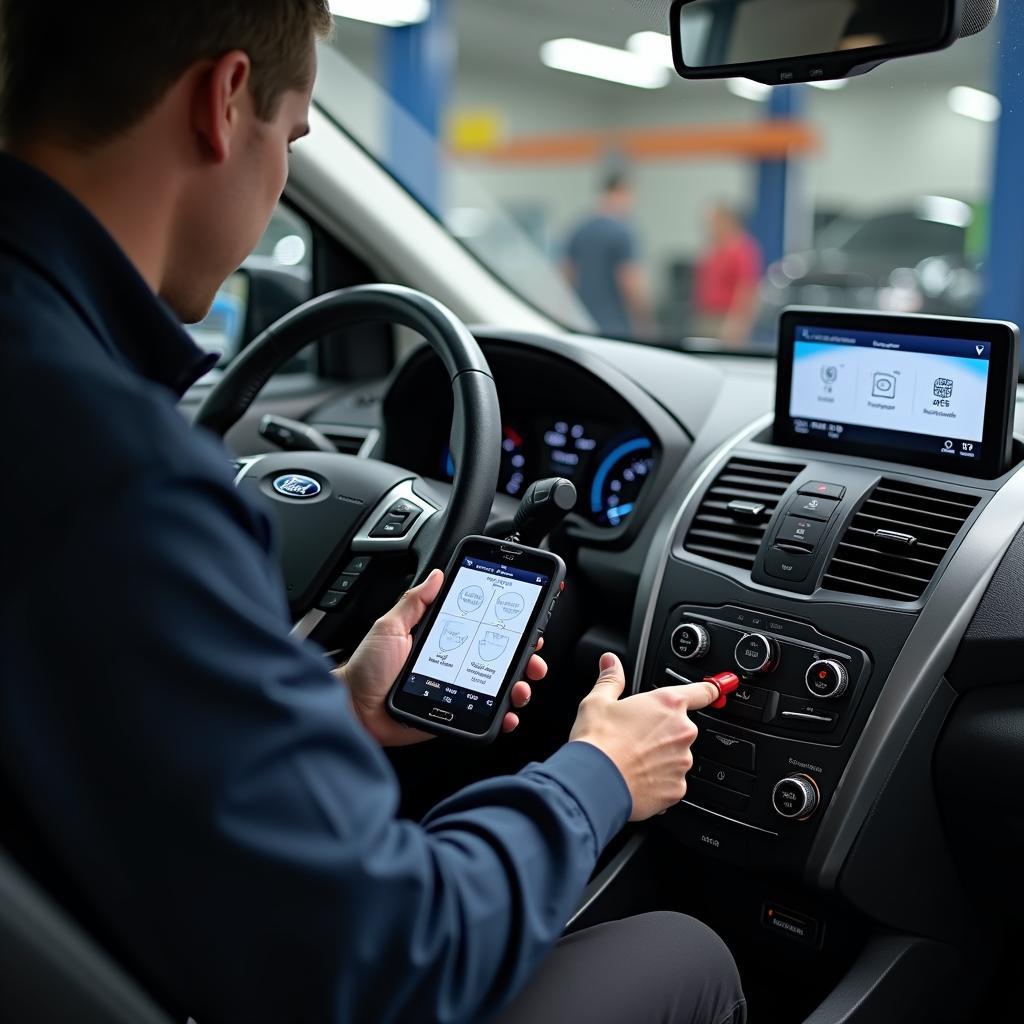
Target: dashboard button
{"points": [[795, 797], [331, 600], [725, 749], [788, 565], [797, 713], [690, 641], [827, 678], [704, 793], [751, 697], [756, 654], [822, 490], [723, 775], [811, 507], [800, 530], [343, 584]]}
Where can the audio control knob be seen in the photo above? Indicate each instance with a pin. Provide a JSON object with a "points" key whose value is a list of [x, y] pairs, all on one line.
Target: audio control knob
{"points": [[827, 678], [795, 796], [690, 641], [757, 654]]}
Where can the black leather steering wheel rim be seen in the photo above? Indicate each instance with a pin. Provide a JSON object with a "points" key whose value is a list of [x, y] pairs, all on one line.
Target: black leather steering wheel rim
{"points": [[476, 433]]}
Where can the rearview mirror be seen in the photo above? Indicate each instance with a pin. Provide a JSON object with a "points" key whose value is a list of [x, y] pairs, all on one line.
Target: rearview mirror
{"points": [[781, 42]]}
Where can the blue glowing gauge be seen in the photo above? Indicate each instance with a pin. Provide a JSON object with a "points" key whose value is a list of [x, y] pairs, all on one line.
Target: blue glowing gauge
{"points": [[620, 477]]}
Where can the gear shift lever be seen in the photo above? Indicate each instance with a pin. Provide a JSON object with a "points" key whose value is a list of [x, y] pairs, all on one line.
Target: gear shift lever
{"points": [[545, 504]]}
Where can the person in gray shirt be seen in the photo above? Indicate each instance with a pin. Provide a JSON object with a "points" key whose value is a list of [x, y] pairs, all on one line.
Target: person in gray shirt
{"points": [[601, 264]]}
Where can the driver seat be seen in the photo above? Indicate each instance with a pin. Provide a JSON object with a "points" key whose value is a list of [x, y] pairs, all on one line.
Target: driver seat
{"points": [[50, 970]]}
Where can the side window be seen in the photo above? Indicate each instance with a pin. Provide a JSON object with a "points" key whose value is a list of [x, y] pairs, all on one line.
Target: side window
{"points": [[276, 277]]}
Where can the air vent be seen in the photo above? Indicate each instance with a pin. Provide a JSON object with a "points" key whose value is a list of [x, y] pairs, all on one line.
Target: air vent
{"points": [[734, 515], [348, 440], [897, 540]]}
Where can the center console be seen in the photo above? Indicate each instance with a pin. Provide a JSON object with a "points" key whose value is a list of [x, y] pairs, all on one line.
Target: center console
{"points": [[829, 559]]}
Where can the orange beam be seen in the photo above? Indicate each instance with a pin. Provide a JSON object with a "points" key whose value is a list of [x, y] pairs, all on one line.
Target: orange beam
{"points": [[766, 140]]}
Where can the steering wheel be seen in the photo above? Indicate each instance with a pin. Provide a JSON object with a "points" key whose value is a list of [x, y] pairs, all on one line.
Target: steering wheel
{"points": [[336, 511]]}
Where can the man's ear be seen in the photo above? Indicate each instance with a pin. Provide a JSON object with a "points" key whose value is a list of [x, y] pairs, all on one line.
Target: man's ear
{"points": [[221, 101]]}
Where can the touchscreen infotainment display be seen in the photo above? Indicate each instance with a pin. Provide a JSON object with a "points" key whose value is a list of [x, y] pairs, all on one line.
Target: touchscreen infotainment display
{"points": [[923, 390]]}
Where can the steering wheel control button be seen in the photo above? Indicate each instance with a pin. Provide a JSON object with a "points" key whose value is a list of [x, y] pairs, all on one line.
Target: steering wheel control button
{"points": [[398, 520], [404, 508], [827, 678], [331, 601], [795, 797], [690, 641], [725, 749], [725, 683], [796, 530], [812, 507], [817, 489], [792, 566], [358, 565], [757, 654], [723, 775]]}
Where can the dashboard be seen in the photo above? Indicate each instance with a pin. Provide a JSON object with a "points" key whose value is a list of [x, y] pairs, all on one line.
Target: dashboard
{"points": [[609, 466], [575, 418]]}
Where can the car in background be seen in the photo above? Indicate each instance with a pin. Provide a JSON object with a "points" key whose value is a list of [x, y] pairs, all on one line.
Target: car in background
{"points": [[922, 258]]}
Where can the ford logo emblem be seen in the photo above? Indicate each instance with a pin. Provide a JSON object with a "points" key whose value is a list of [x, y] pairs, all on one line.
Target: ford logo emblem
{"points": [[296, 486]]}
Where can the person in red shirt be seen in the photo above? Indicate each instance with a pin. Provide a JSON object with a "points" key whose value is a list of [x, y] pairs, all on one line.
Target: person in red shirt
{"points": [[727, 280]]}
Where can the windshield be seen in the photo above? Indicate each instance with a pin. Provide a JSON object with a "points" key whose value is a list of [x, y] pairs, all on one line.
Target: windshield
{"points": [[679, 213]]}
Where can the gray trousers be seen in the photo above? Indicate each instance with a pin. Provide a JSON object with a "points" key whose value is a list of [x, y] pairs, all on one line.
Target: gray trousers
{"points": [[660, 968]]}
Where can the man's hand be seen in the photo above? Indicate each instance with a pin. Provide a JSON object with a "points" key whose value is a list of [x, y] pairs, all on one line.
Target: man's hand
{"points": [[647, 736], [374, 666]]}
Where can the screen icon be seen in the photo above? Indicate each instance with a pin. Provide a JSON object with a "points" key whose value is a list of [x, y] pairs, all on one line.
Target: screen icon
{"points": [[829, 374], [948, 446], [883, 385], [980, 349], [943, 387]]}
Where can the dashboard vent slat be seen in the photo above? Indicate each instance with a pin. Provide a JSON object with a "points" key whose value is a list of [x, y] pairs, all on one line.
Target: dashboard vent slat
{"points": [[729, 536], [870, 562]]}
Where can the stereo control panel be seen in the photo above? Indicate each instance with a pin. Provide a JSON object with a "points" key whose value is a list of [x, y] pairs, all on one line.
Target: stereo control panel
{"points": [[771, 758], [793, 681]]}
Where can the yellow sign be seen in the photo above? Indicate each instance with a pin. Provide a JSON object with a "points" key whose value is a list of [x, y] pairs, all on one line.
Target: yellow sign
{"points": [[475, 131]]}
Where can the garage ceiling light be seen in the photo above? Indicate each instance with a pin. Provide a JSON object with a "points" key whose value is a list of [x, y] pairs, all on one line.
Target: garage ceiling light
{"points": [[655, 47], [606, 62], [982, 106], [748, 90], [392, 13]]}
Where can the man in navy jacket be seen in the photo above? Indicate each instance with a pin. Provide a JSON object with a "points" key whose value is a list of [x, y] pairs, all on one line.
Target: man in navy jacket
{"points": [[208, 797]]}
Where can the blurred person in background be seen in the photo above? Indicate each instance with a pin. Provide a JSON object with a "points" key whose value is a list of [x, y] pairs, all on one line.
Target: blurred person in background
{"points": [[602, 264], [728, 276]]}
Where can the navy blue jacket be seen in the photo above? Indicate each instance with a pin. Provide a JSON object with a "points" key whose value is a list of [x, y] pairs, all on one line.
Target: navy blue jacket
{"points": [[197, 776]]}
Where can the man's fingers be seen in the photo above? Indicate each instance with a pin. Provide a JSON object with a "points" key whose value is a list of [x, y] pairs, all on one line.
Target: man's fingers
{"points": [[537, 669], [612, 680], [696, 695], [521, 694], [510, 723], [414, 603]]}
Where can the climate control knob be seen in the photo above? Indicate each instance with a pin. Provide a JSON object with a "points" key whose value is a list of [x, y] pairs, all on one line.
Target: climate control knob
{"points": [[795, 796], [690, 641], [827, 678], [756, 654]]}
